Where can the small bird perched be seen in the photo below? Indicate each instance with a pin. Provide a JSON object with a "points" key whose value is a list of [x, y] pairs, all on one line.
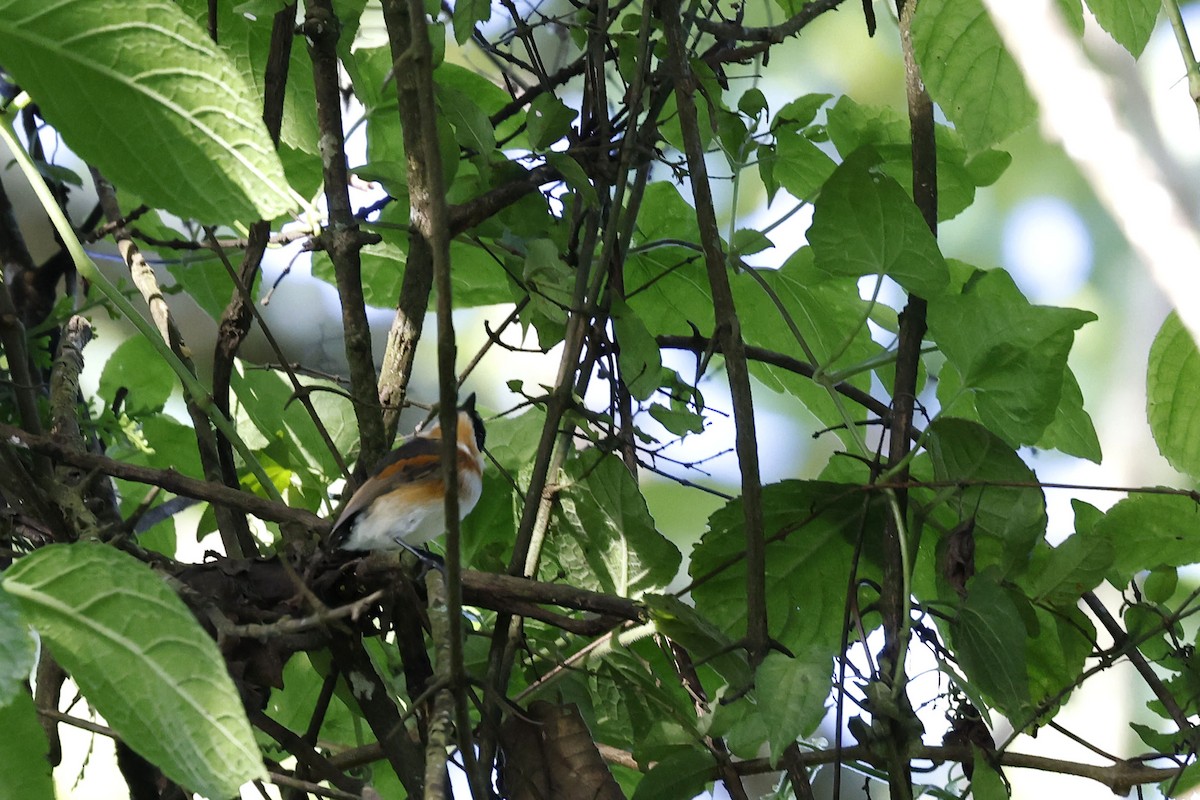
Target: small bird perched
{"points": [[402, 504]]}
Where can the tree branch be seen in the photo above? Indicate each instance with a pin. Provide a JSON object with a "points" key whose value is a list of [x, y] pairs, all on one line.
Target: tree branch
{"points": [[214, 492], [728, 333], [342, 238]]}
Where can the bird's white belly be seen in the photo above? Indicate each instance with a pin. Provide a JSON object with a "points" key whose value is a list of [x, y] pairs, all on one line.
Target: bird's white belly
{"points": [[388, 522]]}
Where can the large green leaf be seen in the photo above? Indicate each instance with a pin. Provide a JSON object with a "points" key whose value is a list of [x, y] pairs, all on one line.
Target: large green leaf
{"points": [[989, 637], [139, 90], [136, 368], [1060, 575], [142, 660], [812, 528], [607, 540], [792, 694], [247, 40], [704, 642], [830, 316], [17, 649], [1129, 22], [864, 223], [1058, 646], [796, 164], [664, 281], [1173, 395], [852, 126], [681, 774], [1009, 519], [638, 354], [1010, 356], [968, 71], [1147, 531], [25, 767]]}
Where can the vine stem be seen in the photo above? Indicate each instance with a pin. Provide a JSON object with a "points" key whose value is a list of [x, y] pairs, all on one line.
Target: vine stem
{"points": [[728, 332], [1171, 7]]}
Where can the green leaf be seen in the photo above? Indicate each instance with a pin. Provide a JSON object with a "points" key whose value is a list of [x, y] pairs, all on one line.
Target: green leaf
{"points": [[247, 40], [865, 224], [968, 71], [284, 428], [747, 242], [17, 651], [1160, 584], [752, 102], [1149, 531], [679, 420], [189, 136], [797, 165], [989, 636], [574, 176], [1009, 520], [608, 541], [136, 367], [705, 643], [792, 694], [25, 768], [550, 282], [1064, 573], [799, 112], [1072, 12], [468, 14], [1129, 22], [1158, 741], [207, 283], [475, 278], [638, 354], [548, 120], [1060, 643], [1187, 780], [830, 316], [1173, 396], [1072, 431], [986, 168], [1010, 356], [681, 774], [812, 528], [664, 281], [986, 782], [472, 129], [853, 126], [142, 660]]}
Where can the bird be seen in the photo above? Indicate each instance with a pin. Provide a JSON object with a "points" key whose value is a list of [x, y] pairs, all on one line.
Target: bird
{"points": [[402, 504]]}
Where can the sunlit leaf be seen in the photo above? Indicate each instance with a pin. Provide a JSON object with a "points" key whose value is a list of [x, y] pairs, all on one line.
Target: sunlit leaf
{"points": [[1148, 531], [181, 711], [1010, 355], [968, 71], [608, 541], [1129, 22], [189, 136], [1173, 396]]}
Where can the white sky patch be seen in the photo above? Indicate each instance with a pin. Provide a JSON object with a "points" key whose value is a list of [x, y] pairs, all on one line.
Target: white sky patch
{"points": [[1047, 248]]}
